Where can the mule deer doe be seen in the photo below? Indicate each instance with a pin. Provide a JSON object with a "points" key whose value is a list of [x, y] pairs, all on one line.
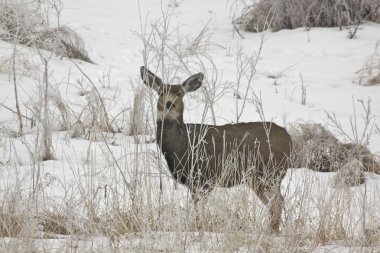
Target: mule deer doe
{"points": [[203, 156]]}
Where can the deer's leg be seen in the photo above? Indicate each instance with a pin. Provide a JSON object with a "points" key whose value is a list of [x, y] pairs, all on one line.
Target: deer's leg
{"points": [[276, 208], [271, 197], [199, 196]]}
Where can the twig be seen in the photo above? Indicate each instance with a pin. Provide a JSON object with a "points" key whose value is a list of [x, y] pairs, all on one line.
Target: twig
{"points": [[237, 30], [10, 109], [109, 127]]}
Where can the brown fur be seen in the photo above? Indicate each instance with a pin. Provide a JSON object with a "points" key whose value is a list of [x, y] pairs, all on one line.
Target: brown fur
{"points": [[204, 156]]}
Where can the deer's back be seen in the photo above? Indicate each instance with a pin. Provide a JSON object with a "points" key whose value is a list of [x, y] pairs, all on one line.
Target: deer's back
{"points": [[228, 154]]}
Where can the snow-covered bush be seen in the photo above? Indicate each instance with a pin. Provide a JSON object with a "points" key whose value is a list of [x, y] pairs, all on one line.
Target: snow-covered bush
{"points": [[316, 148], [18, 20], [22, 22], [290, 14], [64, 42]]}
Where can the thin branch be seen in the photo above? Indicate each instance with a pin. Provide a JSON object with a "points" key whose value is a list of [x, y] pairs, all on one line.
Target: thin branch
{"points": [[109, 127], [11, 110]]}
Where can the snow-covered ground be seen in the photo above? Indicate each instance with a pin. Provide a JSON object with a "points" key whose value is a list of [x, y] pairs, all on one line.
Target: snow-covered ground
{"points": [[89, 173]]}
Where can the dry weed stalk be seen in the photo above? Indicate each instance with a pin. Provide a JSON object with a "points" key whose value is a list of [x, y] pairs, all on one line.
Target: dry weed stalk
{"points": [[47, 143], [246, 71], [370, 73]]}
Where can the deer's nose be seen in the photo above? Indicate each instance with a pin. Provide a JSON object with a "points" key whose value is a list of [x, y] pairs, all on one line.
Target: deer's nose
{"points": [[170, 105]]}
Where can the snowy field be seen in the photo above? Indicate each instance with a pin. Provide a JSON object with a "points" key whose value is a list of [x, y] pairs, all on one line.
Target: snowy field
{"points": [[110, 191]]}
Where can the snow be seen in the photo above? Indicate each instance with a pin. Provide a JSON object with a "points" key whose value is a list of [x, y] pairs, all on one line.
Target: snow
{"points": [[325, 58]]}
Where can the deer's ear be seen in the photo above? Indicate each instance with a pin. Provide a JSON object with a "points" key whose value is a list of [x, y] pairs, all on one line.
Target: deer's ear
{"points": [[150, 79], [193, 82]]}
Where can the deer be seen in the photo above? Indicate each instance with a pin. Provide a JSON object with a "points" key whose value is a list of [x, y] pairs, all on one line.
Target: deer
{"points": [[202, 157]]}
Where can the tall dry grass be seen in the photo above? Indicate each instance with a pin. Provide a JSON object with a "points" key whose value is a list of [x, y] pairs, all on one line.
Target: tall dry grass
{"points": [[107, 192]]}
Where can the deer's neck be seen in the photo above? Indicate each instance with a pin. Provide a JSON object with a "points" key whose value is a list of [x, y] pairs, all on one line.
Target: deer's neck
{"points": [[172, 138], [169, 133]]}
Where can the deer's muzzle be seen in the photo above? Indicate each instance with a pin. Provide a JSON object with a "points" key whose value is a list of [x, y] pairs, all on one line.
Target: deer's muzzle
{"points": [[170, 105]]}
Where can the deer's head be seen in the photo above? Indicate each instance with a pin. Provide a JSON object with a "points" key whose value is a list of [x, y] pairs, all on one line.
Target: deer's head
{"points": [[170, 102]]}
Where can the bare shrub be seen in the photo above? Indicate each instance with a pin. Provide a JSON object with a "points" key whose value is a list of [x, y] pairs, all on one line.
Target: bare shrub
{"points": [[64, 42], [316, 148], [18, 20], [22, 22], [95, 116], [82, 116], [246, 67], [65, 117], [290, 14], [370, 73], [362, 154], [137, 123]]}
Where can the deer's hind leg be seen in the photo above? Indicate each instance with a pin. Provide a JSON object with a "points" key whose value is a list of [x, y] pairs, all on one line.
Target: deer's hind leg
{"points": [[199, 197], [271, 196]]}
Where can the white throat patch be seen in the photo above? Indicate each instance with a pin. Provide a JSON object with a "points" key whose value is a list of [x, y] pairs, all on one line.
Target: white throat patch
{"points": [[168, 115]]}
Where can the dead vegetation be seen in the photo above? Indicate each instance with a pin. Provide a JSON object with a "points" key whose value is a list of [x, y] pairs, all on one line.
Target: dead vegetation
{"points": [[290, 14], [10, 224], [162, 218], [23, 23], [370, 73], [316, 148]]}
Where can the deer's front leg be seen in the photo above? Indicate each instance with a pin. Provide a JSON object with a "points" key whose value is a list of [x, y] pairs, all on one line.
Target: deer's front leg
{"points": [[199, 194]]}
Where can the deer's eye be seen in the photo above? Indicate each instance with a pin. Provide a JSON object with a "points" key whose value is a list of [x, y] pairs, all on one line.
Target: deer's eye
{"points": [[160, 93], [179, 94]]}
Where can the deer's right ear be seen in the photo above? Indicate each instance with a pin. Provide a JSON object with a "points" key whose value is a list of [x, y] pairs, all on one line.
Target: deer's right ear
{"points": [[193, 82], [150, 79]]}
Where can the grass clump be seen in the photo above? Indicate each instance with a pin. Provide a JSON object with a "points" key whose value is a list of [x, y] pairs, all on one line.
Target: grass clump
{"points": [[23, 23], [316, 148]]}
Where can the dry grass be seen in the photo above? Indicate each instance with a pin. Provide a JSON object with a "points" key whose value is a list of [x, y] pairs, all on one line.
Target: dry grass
{"points": [[351, 174], [121, 198], [22, 22], [59, 223], [290, 14], [10, 224], [316, 148], [97, 203], [370, 73], [64, 42]]}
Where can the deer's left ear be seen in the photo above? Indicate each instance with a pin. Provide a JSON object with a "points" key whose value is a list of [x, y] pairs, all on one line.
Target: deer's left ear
{"points": [[150, 79], [193, 82]]}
